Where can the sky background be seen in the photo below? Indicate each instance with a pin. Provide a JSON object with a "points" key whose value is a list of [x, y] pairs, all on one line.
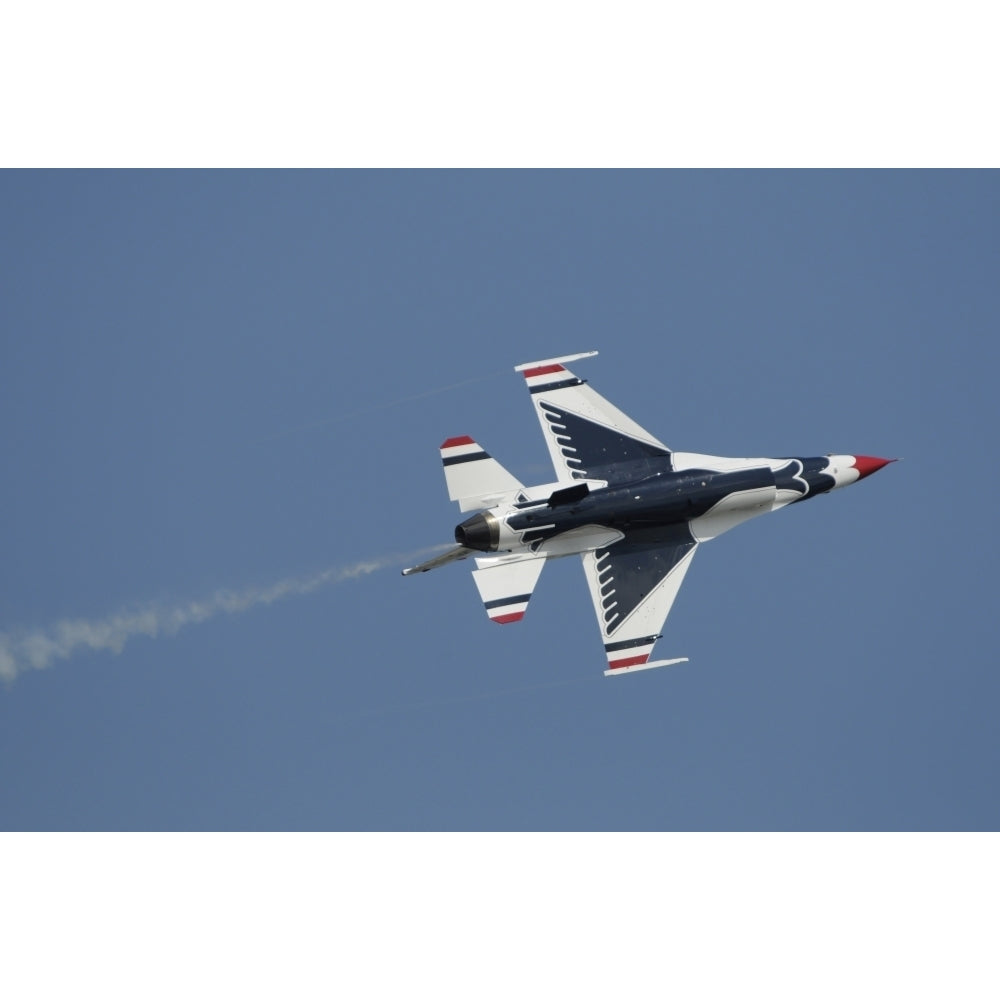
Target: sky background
{"points": [[219, 381]]}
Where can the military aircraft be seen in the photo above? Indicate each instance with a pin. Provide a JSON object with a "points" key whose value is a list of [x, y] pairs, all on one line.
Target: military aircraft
{"points": [[633, 509]]}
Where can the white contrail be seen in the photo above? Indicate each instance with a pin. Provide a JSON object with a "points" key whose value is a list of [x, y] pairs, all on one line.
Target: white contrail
{"points": [[40, 647]]}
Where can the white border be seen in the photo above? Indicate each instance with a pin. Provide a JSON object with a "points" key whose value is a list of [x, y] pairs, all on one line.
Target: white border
{"points": [[497, 915], [534, 84]]}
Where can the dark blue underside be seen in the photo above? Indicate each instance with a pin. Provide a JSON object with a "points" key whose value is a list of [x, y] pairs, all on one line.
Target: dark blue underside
{"points": [[632, 568], [595, 452], [653, 514]]}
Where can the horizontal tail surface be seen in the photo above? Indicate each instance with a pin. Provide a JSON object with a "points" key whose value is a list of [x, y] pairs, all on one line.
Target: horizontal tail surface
{"points": [[474, 478], [507, 588]]}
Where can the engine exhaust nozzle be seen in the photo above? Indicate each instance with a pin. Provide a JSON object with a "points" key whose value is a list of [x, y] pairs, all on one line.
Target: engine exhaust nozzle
{"points": [[481, 531]]}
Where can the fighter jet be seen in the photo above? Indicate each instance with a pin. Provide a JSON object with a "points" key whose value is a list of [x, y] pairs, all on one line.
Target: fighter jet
{"points": [[634, 510]]}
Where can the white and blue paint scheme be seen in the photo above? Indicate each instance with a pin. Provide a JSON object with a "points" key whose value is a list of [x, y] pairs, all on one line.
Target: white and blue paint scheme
{"points": [[634, 510]]}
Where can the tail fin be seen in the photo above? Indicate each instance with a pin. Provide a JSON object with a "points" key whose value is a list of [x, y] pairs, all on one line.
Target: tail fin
{"points": [[475, 479]]}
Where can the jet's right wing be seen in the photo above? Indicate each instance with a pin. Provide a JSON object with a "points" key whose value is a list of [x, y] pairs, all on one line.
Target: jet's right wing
{"points": [[633, 584], [586, 435]]}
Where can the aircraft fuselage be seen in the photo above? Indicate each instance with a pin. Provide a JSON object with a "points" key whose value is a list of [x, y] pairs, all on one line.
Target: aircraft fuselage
{"points": [[709, 494]]}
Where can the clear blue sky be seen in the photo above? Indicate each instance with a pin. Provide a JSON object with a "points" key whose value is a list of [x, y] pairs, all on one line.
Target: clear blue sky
{"points": [[202, 387]]}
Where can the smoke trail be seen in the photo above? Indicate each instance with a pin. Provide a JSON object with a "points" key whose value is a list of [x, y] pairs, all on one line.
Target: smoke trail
{"points": [[39, 648]]}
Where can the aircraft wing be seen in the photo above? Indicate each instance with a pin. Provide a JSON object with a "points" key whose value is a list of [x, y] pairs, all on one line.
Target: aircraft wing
{"points": [[587, 437], [633, 584]]}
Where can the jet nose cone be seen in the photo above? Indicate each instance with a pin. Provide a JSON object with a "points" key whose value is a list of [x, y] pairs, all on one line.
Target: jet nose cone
{"points": [[867, 464]]}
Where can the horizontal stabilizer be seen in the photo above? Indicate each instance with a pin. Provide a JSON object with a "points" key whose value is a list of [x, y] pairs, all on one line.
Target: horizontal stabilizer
{"points": [[507, 588], [452, 555], [474, 478]]}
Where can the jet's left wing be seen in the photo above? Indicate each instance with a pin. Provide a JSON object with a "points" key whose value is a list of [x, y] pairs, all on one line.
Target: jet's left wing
{"points": [[633, 584]]}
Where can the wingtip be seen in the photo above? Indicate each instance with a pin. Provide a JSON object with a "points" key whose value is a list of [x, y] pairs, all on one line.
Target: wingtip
{"points": [[564, 360], [635, 668]]}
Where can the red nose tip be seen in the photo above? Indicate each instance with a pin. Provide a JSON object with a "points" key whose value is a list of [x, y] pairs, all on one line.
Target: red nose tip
{"points": [[866, 464]]}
